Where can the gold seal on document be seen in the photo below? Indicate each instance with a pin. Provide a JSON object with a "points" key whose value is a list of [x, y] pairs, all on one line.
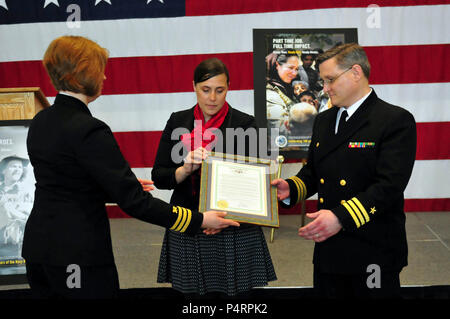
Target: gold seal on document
{"points": [[222, 204]]}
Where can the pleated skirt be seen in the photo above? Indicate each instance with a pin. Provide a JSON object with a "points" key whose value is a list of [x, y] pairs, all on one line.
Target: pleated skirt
{"points": [[231, 262]]}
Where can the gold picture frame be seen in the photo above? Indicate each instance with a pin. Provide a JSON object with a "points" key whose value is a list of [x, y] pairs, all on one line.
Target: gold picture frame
{"points": [[240, 186]]}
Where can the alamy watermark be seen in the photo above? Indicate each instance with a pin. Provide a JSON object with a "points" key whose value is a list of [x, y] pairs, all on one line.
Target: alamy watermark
{"points": [[74, 279], [374, 279], [74, 18], [373, 21], [251, 142]]}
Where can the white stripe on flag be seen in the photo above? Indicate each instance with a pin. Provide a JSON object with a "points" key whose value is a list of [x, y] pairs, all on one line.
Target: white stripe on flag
{"points": [[410, 25], [427, 180], [150, 112], [146, 173]]}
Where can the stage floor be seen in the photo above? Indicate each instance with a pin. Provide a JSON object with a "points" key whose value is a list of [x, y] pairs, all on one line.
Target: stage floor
{"points": [[137, 247]]}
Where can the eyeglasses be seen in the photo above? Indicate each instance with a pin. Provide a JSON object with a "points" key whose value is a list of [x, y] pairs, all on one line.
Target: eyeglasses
{"points": [[331, 81]]}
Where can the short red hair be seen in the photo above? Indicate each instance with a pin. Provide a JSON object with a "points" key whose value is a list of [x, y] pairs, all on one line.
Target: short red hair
{"points": [[76, 64]]}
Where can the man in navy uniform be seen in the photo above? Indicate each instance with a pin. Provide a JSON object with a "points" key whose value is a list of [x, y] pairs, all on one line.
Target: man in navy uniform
{"points": [[360, 160]]}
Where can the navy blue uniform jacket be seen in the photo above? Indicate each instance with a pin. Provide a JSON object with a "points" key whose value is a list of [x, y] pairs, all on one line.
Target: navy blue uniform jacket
{"points": [[78, 168], [360, 174]]}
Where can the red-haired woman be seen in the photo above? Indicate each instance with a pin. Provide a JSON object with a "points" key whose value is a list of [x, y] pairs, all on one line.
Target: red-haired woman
{"points": [[78, 167]]}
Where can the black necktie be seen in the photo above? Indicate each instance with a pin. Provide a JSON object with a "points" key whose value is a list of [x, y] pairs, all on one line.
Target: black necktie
{"points": [[342, 121]]}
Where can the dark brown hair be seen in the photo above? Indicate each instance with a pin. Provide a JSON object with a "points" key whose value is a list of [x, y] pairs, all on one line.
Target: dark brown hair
{"points": [[210, 68]]}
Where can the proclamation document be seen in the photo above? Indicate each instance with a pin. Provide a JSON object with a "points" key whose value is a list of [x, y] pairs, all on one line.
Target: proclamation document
{"points": [[238, 188]]}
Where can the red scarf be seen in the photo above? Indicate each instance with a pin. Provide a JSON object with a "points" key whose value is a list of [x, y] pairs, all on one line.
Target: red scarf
{"points": [[197, 138]]}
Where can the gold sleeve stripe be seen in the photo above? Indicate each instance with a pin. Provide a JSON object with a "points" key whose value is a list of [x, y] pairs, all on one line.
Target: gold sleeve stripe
{"points": [[304, 188], [361, 208], [188, 221], [301, 187], [357, 212], [349, 209], [298, 188], [180, 226], [175, 225]]}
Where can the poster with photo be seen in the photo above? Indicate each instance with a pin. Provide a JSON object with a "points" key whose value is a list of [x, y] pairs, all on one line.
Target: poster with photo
{"points": [[16, 195], [287, 86]]}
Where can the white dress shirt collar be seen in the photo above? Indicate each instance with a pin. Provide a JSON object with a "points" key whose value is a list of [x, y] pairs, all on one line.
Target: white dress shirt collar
{"points": [[351, 109]]}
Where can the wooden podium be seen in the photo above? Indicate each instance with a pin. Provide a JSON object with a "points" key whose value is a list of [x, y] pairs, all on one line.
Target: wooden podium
{"points": [[21, 103]]}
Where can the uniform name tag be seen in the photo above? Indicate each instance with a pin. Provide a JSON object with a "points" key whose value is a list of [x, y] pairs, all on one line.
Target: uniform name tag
{"points": [[361, 145]]}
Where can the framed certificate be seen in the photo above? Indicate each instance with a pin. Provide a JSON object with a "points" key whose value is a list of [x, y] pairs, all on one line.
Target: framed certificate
{"points": [[241, 187]]}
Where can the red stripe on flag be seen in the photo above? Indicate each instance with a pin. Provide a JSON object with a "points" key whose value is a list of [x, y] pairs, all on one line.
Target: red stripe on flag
{"points": [[409, 64], [219, 7], [139, 148], [25, 74], [431, 139], [427, 205], [114, 211], [166, 74], [411, 206], [134, 75]]}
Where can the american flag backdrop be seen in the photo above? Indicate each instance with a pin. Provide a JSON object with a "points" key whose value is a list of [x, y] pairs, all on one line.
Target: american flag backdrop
{"points": [[155, 45]]}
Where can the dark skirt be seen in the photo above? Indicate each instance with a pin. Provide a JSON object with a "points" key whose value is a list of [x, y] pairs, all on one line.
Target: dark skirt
{"points": [[231, 262]]}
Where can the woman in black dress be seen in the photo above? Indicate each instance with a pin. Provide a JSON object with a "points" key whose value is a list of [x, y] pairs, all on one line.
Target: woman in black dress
{"points": [[236, 259]]}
